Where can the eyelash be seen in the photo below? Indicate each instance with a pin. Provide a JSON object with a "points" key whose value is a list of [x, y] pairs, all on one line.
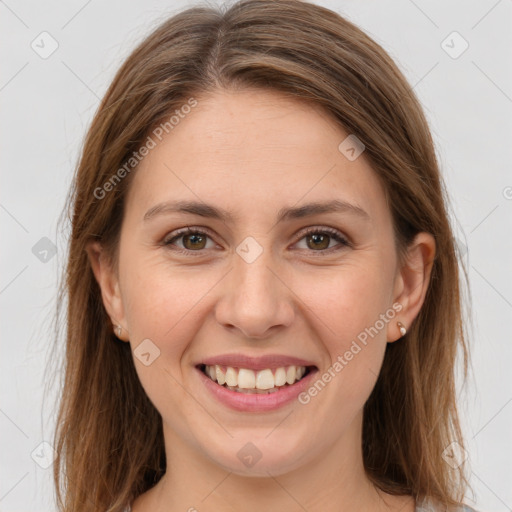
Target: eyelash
{"points": [[333, 233]]}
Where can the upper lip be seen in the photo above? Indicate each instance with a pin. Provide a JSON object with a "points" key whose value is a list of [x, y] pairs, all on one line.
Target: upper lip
{"points": [[255, 363]]}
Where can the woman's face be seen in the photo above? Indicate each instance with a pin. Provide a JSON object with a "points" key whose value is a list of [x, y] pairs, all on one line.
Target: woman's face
{"points": [[256, 284]]}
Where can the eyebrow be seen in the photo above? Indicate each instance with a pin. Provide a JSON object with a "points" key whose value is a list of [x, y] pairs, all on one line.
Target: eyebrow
{"points": [[285, 214]]}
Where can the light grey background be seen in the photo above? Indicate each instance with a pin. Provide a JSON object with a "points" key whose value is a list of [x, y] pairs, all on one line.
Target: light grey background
{"points": [[47, 105]]}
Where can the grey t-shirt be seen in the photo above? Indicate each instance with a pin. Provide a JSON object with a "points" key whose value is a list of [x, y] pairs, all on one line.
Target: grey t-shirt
{"points": [[430, 505]]}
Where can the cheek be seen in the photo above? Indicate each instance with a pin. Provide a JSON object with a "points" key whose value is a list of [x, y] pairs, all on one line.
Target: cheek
{"points": [[346, 299], [348, 306], [164, 304]]}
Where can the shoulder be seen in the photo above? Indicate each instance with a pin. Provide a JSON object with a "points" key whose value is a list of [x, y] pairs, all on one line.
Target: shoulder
{"points": [[430, 505]]}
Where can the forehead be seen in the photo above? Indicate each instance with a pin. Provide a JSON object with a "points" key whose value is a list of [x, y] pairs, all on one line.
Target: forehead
{"points": [[253, 152]]}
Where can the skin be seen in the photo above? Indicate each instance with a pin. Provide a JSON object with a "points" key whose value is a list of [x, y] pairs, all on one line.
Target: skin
{"points": [[254, 152]]}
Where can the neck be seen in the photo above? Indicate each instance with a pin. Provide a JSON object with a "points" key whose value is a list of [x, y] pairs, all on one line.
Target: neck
{"points": [[333, 481]]}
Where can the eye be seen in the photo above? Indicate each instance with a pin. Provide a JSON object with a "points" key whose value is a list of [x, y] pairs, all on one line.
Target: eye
{"points": [[192, 240], [319, 239]]}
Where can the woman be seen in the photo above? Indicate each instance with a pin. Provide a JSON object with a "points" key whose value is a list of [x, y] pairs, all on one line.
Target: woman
{"points": [[264, 301]]}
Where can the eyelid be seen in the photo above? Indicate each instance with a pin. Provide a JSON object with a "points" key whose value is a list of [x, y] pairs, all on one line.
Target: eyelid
{"points": [[186, 230]]}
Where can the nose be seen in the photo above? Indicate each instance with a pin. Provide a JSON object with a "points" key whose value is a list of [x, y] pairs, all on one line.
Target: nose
{"points": [[255, 299]]}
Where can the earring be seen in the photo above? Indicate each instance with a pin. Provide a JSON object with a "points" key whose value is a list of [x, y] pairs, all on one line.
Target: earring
{"points": [[403, 330], [118, 330]]}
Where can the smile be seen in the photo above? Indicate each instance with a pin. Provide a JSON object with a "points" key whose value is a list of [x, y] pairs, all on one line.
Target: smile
{"points": [[248, 381]]}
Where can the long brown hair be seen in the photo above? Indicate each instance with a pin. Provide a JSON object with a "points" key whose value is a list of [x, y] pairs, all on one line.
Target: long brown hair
{"points": [[109, 436]]}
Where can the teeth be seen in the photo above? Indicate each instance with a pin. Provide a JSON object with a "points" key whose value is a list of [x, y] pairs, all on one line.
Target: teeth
{"points": [[231, 377], [264, 379], [253, 391], [280, 377], [291, 373], [246, 380], [219, 375]]}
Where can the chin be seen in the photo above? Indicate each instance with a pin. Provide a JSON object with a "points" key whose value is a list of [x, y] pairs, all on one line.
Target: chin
{"points": [[255, 456]]}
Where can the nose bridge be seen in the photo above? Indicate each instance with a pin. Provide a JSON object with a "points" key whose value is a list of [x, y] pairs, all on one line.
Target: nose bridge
{"points": [[255, 299], [253, 279]]}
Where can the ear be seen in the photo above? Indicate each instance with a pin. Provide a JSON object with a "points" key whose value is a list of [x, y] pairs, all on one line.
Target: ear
{"points": [[108, 282], [412, 281]]}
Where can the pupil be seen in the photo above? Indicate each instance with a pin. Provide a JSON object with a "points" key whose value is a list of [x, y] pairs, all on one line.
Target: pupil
{"points": [[320, 238], [193, 239]]}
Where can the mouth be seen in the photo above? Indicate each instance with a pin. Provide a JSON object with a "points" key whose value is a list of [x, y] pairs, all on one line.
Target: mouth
{"points": [[249, 381]]}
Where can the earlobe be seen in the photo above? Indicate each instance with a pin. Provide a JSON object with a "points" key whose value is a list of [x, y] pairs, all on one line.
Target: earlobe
{"points": [[412, 282], [109, 285], [402, 328]]}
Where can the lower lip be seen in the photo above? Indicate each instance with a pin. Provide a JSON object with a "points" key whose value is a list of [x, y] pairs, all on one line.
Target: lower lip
{"points": [[257, 402]]}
